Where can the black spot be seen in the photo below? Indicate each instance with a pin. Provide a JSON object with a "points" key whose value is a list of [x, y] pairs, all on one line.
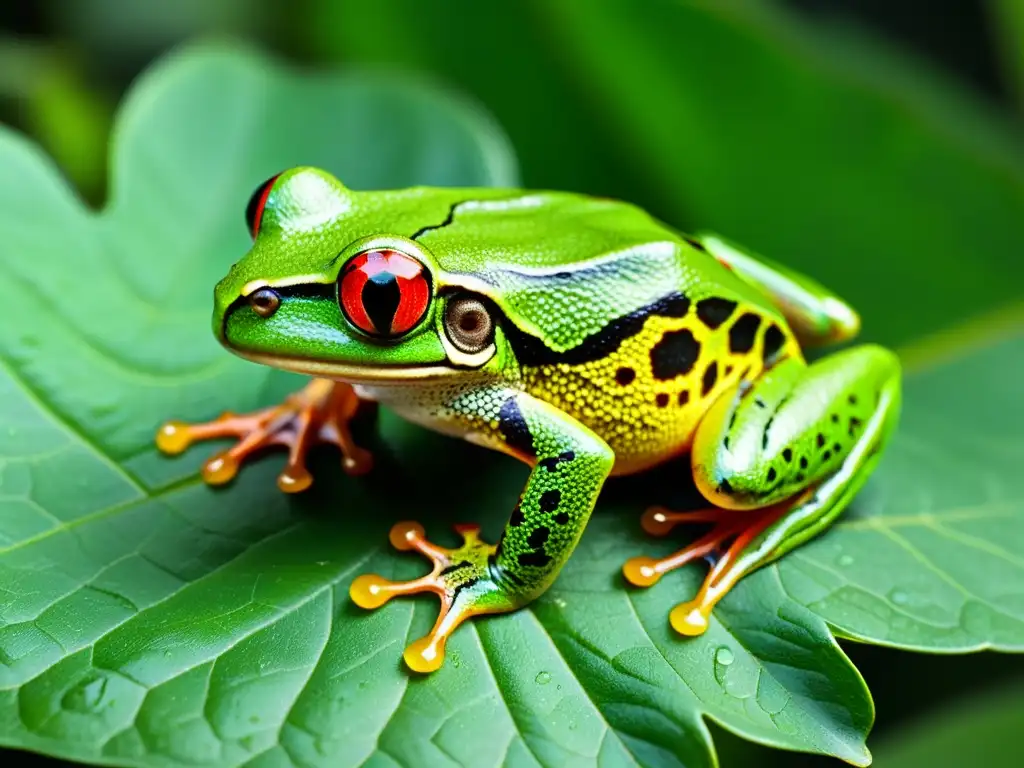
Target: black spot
{"points": [[852, 399], [787, 454], [710, 377], [728, 370], [835, 418], [536, 559], [773, 340], [684, 397], [674, 355], [803, 462], [661, 399], [517, 516], [826, 455], [549, 500], [799, 477], [760, 403], [513, 427], [725, 442], [531, 351], [837, 447], [725, 487], [562, 518], [696, 244], [551, 464], [625, 376], [538, 536], [855, 424], [714, 311], [821, 440], [767, 429], [771, 474], [743, 333]]}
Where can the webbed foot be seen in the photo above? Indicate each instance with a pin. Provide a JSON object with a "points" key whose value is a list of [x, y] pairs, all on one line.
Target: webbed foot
{"points": [[318, 413], [691, 618], [463, 577]]}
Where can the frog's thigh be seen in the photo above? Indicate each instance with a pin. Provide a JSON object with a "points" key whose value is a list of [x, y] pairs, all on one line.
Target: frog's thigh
{"points": [[798, 444], [793, 427]]}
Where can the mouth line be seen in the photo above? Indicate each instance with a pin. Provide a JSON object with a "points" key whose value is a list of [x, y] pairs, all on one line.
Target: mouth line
{"points": [[345, 372]]}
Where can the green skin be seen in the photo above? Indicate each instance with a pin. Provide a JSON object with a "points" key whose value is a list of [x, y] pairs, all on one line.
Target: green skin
{"points": [[558, 269]]}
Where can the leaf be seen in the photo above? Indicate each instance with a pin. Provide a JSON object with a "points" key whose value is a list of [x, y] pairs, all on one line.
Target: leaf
{"points": [[150, 620], [957, 735]]}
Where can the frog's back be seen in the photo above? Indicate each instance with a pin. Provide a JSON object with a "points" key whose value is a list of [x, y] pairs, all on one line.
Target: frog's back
{"points": [[613, 317]]}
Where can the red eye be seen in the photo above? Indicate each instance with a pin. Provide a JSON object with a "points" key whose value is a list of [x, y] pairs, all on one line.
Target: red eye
{"points": [[384, 292], [258, 201]]}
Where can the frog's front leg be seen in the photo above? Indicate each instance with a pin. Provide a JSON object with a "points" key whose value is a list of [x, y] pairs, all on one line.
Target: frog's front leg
{"points": [[570, 464], [780, 459], [318, 413]]}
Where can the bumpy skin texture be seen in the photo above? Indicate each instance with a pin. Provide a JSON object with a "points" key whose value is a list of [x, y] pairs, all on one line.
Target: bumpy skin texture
{"points": [[599, 341]]}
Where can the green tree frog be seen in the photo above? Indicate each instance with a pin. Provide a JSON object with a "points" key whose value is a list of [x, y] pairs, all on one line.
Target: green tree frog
{"points": [[577, 334]]}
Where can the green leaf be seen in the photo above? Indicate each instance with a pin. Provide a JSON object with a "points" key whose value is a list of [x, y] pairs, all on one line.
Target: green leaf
{"points": [[980, 725]]}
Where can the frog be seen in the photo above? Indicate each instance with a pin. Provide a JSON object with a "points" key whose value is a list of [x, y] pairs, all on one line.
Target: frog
{"points": [[576, 333]]}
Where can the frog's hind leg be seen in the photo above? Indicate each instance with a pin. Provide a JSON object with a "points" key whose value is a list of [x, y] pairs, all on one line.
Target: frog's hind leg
{"points": [[780, 460], [318, 413]]}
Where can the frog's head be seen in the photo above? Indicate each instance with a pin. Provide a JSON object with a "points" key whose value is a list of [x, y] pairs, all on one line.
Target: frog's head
{"points": [[327, 289]]}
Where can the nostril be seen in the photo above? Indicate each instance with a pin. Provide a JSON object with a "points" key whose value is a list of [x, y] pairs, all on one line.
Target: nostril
{"points": [[265, 302]]}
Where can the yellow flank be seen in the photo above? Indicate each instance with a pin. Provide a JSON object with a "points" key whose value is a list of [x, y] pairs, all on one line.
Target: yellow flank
{"points": [[629, 397]]}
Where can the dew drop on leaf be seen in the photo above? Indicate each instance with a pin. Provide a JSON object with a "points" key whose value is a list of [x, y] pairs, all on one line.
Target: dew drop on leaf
{"points": [[724, 656], [543, 678], [899, 597], [845, 560]]}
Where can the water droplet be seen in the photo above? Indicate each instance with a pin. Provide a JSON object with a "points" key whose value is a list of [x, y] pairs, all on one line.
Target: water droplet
{"points": [[899, 597], [845, 560], [87, 696], [724, 656], [543, 678]]}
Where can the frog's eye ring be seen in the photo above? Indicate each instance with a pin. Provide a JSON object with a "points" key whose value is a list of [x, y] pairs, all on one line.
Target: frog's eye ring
{"points": [[384, 292], [468, 324], [258, 201]]}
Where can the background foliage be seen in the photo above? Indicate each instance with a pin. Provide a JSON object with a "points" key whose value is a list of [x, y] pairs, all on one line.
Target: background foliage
{"points": [[881, 168]]}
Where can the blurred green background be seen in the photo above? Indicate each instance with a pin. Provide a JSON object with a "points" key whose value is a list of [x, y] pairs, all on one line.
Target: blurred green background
{"points": [[605, 103]]}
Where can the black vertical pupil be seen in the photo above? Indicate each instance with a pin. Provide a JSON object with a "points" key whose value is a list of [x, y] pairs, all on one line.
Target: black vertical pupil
{"points": [[381, 297], [253, 206]]}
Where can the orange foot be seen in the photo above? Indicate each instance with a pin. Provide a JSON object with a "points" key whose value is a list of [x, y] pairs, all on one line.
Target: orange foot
{"points": [[318, 413], [461, 577], [691, 618]]}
